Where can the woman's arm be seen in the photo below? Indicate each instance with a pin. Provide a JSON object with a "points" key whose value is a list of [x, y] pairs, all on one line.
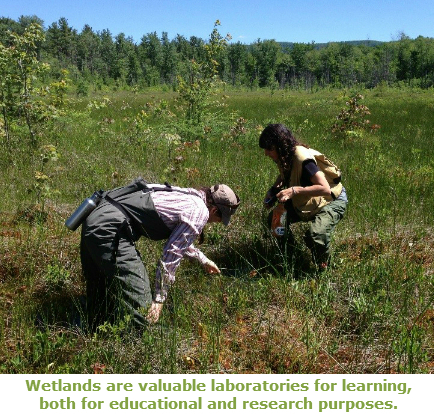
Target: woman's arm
{"points": [[319, 187]]}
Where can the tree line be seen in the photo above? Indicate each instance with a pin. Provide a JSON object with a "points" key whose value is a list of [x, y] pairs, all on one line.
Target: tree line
{"points": [[100, 58]]}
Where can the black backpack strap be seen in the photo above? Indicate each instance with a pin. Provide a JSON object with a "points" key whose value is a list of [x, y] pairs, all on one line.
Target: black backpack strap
{"points": [[139, 184]]}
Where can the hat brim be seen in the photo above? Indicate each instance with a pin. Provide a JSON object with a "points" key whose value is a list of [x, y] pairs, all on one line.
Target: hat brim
{"points": [[226, 219], [226, 214]]}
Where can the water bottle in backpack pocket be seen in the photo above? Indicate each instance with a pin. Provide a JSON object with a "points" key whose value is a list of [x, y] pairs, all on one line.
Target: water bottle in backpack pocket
{"points": [[85, 208]]}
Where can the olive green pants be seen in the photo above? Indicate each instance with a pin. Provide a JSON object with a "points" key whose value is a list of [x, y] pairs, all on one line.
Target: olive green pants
{"points": [[319, 234], [322, 225]]}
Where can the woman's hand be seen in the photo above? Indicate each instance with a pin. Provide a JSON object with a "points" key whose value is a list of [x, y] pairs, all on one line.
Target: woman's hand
{"points": [[319, 187], [154, 312], [286, 194]]}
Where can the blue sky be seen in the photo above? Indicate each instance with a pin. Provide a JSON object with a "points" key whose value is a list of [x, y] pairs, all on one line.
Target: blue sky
{"points": [[246, 20]]}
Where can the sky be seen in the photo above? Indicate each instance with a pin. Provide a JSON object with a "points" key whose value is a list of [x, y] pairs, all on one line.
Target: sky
{"points": [[301, 21]]}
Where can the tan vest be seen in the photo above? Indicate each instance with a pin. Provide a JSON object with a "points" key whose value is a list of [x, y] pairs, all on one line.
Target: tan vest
{"points": [[305, 205]]}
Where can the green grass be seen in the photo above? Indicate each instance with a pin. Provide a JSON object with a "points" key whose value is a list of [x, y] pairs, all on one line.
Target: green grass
{"points": [[269, 311]]}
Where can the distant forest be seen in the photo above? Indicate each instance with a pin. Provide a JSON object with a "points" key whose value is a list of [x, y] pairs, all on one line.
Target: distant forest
{"points": [[103, 59]]}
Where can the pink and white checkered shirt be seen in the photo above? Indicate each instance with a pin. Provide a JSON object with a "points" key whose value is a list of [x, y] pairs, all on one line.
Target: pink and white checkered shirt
{"points": [[185, 215]]}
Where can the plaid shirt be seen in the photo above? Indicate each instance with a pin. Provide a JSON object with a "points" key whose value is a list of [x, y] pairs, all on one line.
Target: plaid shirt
{"points": [[185, 215]]}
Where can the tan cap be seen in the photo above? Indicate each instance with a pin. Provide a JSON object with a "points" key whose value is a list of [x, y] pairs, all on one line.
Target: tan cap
{"points": [[226, 201]]}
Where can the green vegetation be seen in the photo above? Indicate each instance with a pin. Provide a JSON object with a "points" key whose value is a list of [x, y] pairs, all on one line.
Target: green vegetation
{"points": [[103, 61], [269, 311]]}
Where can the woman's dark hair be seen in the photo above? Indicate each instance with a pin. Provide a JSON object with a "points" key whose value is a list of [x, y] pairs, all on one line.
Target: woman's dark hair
{"points": [[281, 139]]}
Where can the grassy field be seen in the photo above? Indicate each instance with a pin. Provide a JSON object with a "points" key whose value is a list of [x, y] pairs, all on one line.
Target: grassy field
{"points": [[269, 311]]}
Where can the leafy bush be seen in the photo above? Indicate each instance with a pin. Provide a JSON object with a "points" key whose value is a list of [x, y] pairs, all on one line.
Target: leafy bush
{"points": [[352, 120]]}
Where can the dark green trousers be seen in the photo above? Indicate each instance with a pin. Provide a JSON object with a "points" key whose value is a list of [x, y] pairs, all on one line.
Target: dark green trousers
{"points": [[117, 282]]}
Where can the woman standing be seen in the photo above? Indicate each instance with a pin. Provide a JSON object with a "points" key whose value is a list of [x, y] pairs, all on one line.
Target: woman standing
{"points": [[310, 187]]}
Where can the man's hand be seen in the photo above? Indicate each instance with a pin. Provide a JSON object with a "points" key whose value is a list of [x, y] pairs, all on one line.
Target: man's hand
{"points": [[154, 312], [211, 267]]}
